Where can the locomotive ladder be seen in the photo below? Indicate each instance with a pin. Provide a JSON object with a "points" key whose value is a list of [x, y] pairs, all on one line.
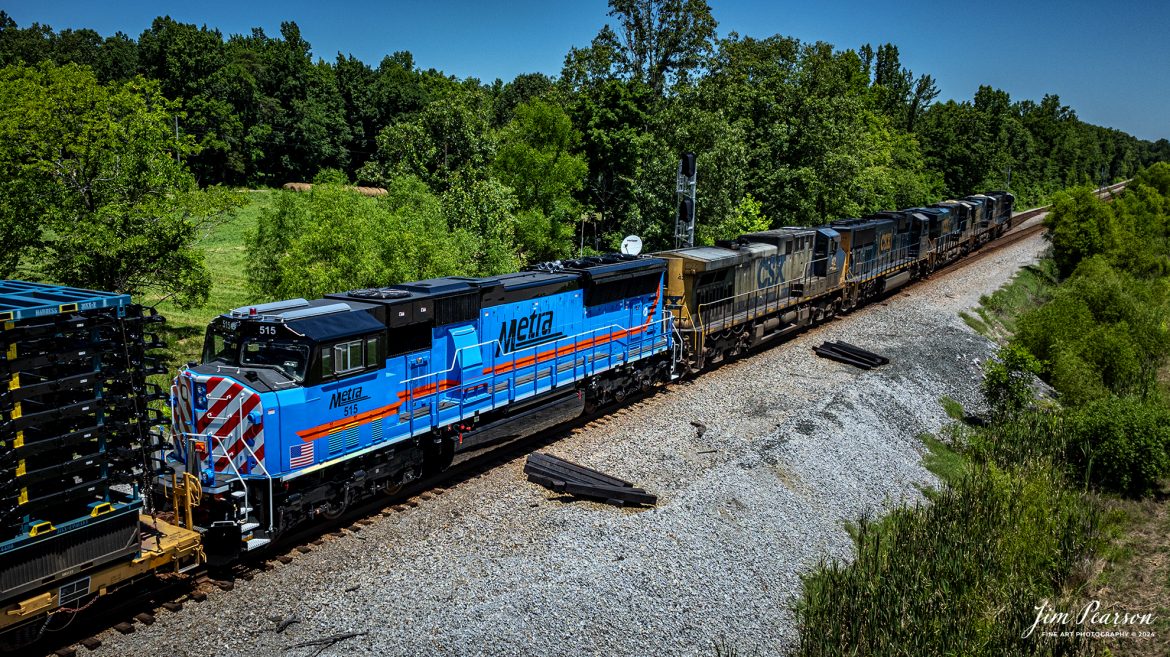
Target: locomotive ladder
{"points": [[240, 495]]}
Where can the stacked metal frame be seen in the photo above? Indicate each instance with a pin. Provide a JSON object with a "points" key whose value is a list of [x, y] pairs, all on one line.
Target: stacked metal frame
{"points": [[75, 418]]}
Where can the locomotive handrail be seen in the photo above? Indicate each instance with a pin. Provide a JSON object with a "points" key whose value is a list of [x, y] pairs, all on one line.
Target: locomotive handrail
{"points": [[590, 366], [237, 370], [699, 311], [885, 264], [215, 443], [232, 464], [533, 348], [875, 267]]}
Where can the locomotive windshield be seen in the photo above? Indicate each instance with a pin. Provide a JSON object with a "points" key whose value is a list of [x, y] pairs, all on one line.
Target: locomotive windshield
{"points": [[226, 347], [285, 355], [222, 347]]}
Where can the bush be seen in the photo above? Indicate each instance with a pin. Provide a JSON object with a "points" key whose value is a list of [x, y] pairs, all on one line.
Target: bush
{"points": [[1035, 438], [1007, 380], [331, 176], [1121, 444], [332, 239], [959, 576], [1080, 226], [1104, 331], [1157, 176], [1075, 379]]}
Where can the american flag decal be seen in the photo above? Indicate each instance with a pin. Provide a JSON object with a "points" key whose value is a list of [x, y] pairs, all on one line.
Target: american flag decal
{"points": [[300, 455]]}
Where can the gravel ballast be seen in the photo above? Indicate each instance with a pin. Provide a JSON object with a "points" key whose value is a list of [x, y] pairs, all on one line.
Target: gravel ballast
{"points": [[795, 448]]}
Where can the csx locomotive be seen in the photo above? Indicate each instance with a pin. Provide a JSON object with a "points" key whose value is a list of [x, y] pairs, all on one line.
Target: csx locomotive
{"points": [[299, 408]]}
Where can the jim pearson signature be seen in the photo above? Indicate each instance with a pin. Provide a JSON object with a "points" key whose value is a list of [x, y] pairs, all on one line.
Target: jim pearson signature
{"points": [[1088, 616]]}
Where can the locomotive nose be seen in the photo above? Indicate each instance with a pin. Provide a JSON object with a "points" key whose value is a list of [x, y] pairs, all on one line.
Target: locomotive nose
{"points": [[218, 426]]}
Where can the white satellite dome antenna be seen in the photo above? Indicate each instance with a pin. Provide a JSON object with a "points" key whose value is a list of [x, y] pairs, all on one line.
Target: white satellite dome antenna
{"points": [[632, 245]]}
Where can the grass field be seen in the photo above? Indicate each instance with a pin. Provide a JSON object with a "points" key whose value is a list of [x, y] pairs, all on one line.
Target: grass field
{"points": [[226, 256]]}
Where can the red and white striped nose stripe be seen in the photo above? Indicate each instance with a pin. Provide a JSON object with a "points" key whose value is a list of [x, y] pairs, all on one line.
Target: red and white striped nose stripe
{"points": [[181, 420], [226, 419]]}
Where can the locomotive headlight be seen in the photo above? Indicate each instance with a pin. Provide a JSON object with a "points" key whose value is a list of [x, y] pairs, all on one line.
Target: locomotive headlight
{"points": [[201, 395]]}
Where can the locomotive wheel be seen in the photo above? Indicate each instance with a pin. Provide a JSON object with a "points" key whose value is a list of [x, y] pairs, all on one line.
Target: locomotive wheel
{"points": [[333, 511]]}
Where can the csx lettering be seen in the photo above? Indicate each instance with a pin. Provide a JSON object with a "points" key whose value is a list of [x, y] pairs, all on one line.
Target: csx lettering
{"points": [[348, 396], [770, 271], [536, 328]]}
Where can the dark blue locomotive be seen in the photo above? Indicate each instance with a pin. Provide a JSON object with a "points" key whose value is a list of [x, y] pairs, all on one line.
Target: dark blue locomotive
{"points": [[301, 407]]}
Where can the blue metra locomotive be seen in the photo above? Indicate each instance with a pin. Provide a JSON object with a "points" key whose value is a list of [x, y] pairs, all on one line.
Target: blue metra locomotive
{"points": [[301, 407]]}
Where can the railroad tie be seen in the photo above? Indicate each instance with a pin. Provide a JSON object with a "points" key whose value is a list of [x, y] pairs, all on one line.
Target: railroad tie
{"points": [[563, 476]]}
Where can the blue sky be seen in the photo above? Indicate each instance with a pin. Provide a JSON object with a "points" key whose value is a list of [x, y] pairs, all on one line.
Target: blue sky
{"points": [[1109, 61]]}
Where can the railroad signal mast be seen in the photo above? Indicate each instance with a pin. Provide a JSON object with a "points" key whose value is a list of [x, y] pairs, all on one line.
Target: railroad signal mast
{"points": [[684, 225]]}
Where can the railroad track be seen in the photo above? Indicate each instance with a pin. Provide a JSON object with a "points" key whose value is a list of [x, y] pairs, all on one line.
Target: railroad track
{"points": [[142, 602]]}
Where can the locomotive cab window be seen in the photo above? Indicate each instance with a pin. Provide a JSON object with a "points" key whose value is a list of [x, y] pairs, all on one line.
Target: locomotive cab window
{"points": [[373, 350], [347, 357], [351, 356], [221, 346]]}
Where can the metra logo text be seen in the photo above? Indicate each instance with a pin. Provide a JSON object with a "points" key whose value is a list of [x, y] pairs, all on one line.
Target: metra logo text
{"points": [[348, 396], [527, 331]]}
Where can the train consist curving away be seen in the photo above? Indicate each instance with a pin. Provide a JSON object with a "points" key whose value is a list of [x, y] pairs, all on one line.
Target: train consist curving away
{"points": [[301, 408]]}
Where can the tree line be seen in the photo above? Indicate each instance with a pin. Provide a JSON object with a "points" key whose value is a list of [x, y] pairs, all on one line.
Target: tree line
{"points": [[539, 167]]}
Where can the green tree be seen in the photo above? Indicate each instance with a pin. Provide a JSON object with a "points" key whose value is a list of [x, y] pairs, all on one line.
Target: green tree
{"points": [[303, 106], [357, 86], [896, 92], [194, 67], [448, 138], [722, 208], [1079, 226], [536, 156], [537, 159], [614, 119], [29, 45], [331, 239], [659, 42], [485, 209], [746, 217], [524, 88], [94, 169]]}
